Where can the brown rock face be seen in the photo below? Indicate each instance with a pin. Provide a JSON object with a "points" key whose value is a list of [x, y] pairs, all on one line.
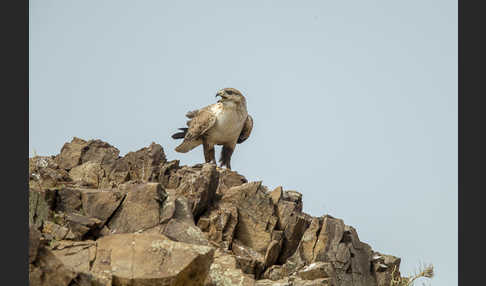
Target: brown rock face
{"points": [[140, 210], [198, 186], [151, 259], [256, 215], [97, 218]]}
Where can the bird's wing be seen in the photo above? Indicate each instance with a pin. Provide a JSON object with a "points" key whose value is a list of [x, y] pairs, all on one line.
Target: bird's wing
{"points": [[200, 122], [246, 131]]}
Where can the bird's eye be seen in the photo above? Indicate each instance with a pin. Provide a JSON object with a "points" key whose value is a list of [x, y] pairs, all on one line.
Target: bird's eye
{"points": [[230, 92]]}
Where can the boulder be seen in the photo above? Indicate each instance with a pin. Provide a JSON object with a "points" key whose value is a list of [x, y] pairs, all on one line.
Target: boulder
{"points": [[198, 185], [45, 269], [141, 166], [140, 210], [224, 271], [256, 215], [89, 174], [101, 204], [177, 221], [41, 203], [71, 153], [45, 173], [220, 224], [151, 259]]}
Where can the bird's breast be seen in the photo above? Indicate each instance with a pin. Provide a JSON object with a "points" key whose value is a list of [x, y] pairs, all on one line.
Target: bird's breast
{"points": [[227, 127]]}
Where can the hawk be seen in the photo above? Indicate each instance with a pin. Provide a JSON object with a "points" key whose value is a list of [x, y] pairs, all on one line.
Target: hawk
{"points": [[225, 123]]}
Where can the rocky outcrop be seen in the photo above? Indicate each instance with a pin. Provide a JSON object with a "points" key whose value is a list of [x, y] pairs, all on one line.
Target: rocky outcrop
{"points": [[100, 219]]}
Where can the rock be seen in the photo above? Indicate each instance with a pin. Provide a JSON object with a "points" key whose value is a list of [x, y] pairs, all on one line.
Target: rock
{"points": [[45, 173], [140, 210], [101, 204], [267, 282], [168, 170], [81, 225], [142, 166], [45, 269], [272, 253], [317, 270], [224, 272], [274, 272], [256, 215], [34, 243], [198, 186], [177, 221], [151, 259], [228, 179], [276, 195], [291, 220], [142, 220], [248, 260], [41, 203], [316, 282], [56, 232], [78, 255], [71, 153], [220, 224], [385, 268], [68, 200], [87, 174], [100, 153]]}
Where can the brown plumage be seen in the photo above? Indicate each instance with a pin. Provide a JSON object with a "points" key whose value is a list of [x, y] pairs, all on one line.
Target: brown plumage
{"points": [[224, 123]]}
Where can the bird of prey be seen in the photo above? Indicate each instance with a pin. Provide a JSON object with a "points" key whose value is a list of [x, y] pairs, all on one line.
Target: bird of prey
{"points": [[225, 123]]}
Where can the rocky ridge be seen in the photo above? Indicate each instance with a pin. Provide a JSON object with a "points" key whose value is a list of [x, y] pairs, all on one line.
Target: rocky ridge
{"points": [[97, 218]]}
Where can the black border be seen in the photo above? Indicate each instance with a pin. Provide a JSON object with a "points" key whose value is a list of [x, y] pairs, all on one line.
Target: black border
{"points": [[471, 67], [14, 21], [15, 81]]}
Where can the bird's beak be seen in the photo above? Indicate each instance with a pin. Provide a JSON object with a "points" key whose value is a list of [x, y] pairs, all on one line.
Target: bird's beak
{"points": [[222, 95]]}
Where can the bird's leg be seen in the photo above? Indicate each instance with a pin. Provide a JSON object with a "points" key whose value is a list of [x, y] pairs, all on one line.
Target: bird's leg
{"points": [[226, 153], [209, 152]]}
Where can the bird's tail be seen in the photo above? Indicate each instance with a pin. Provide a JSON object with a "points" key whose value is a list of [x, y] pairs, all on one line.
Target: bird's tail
{"points": [[180, 135], [188, 145]]}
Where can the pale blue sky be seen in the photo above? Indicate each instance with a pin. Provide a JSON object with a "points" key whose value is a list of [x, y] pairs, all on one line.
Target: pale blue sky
{"points": [[354, 102]]}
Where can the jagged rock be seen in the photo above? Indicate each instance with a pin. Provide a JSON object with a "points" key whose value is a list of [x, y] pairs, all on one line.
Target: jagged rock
{"points": [[71, 153], [88, 174], [228, 179], [57, 232], [291, 220], [41, 203], [101, 204], [143, 166], [151, 259], [80, 225], [140, 210], [267, 282], [68, 200], [385, 268], [248, 260], [140, 220], [100, 152], [220, 224], [44, 173], [224, 271], [198, 185], [167, 174], [256, 215], [45, 269], [79, 255], [317, 270], [34, 243], [177, 221]]}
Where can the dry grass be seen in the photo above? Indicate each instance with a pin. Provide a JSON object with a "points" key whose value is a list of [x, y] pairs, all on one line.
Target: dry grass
{"points": [[424, 271]]}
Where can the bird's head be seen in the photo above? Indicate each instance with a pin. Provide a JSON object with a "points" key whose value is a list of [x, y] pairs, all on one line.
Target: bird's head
{"points": [[231, 96]]}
